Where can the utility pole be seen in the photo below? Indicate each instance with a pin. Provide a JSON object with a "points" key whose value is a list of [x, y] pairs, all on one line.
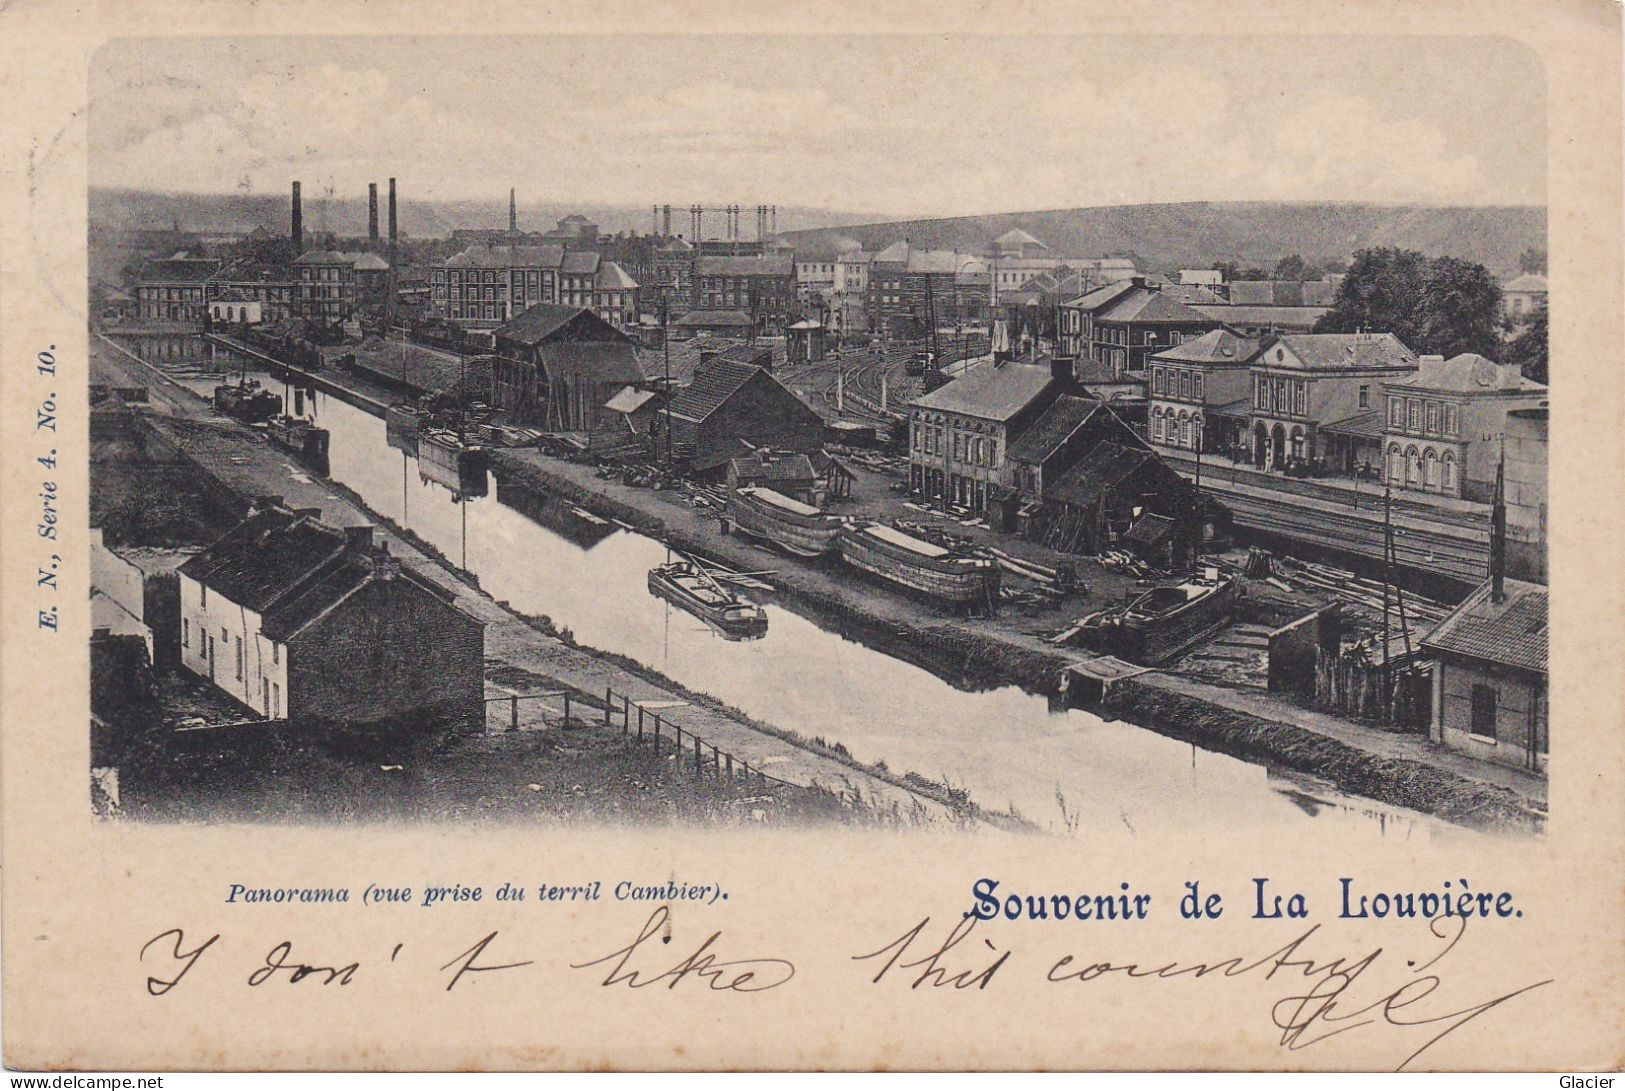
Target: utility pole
{"points": [[665, 344]]}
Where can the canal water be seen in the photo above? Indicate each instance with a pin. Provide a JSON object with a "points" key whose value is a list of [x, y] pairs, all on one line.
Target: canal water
{"points": [[1007, 748]]}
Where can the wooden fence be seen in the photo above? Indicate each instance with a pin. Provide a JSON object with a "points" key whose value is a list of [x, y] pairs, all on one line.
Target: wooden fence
{"points": [[694, 755]]}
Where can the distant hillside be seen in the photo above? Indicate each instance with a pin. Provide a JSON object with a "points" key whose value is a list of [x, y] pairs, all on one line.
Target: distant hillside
{"points": [[121, 209], [1194, 235]]}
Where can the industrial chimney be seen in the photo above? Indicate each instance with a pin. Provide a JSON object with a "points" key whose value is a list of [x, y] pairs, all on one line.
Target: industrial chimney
{"points": [[372, 216], [513, 213], [298, 223], [394, 235]]}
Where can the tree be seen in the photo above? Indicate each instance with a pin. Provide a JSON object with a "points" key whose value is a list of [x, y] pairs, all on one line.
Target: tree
{"points": [[1445, 306], [1461, 309], [1293, 267], [1528, 349], [1532, 260]]}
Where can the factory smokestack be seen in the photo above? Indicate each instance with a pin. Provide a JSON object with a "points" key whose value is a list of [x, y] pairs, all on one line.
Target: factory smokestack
{"points": [[298, 223], [513, 213], [394, 235], [372, 216]]}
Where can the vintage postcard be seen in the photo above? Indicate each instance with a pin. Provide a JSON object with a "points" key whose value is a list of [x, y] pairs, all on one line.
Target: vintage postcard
{"points": [[894, 536]]}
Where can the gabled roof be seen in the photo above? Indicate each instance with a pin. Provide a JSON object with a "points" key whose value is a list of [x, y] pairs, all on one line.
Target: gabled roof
{"points": [[1052, 428], [1529, 282], [1512, 632], [611, 277], [536, 324], [507, 257], [580, 263], [1104, 465], [1336, 351], [897, 253], [777, 468], [1147, 305], [991, 391], [1215, 348], [264, 557], [249, 271], [1017, 237], [932, 261], [1102, 296], [1469, 373], [714, 383], [745, 265]]}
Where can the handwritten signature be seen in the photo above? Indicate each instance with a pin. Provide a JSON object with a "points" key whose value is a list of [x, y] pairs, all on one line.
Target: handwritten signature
{"points": [[1327, 1005]]}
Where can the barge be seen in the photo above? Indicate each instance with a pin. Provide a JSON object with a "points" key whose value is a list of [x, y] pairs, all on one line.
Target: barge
{"points": [[688, 586], [959, 579], [784, 522]]}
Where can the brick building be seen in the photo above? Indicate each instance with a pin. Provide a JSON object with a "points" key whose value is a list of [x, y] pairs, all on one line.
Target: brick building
{"points": [[1123, 324], [762, 286], [486, 285], [305, 622]]}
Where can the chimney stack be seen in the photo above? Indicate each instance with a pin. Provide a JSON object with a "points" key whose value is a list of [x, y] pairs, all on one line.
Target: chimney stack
{"points": [[1498, 532], [394, 235], [358, 539], [513, 213], [298, 223], [372, 216], [665, 220]]}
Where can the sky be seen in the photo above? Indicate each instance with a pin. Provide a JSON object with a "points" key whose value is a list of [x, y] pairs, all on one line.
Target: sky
{"points": [[904, 125]]}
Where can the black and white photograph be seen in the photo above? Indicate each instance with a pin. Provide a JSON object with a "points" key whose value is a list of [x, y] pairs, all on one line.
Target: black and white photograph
{"points": [[1065, 436]]}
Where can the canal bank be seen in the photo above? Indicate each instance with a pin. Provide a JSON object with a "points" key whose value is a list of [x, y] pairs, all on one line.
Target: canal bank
{"points": [[236, 459], [1403, 771], [845, 660]]}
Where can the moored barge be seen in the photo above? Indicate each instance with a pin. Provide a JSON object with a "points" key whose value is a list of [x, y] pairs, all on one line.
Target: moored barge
{"points": [[914, 564], [1155, 626], [784, 522], [690, 587]]}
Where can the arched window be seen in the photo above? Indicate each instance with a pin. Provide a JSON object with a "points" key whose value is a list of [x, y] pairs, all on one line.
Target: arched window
{"points": [[1448, 473], [1413, 467], [1396, 464], [1156, 425], [1430, 469], [1297, 443], [1184, 438]]}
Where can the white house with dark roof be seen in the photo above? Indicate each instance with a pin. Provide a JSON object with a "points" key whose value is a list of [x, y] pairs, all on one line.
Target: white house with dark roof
{"points": [[1522, 296], [960, 433], [299, 620]]}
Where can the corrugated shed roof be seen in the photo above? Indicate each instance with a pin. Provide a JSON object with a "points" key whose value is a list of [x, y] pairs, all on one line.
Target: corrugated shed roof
{"points": [[1512, 632], [990, 391], [1052, 428]]}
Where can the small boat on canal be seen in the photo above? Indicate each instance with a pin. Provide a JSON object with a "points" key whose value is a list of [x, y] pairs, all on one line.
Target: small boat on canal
{"points": [[784, 522], [952, 577], [246, 400], [689, 586], [1160, 623], [445, 457], [300, 438]]}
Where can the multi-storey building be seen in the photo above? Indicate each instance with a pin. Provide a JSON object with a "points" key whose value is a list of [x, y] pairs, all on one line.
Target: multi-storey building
{"points": [[484, 286], [334, 285], [1122, 324], [275, 288], [960, 433], [910, 288], [175, 289], [761, 285], [578, 278], [1301, 382], [615, 295], [674, 274], [1446, 423], [1199, 392]]}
